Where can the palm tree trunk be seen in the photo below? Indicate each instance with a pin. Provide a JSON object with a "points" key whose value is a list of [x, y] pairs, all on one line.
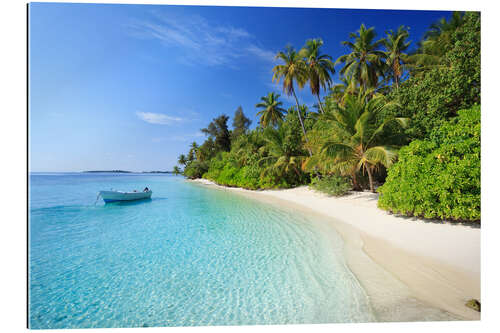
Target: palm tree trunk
{"points": [[300, 119], [355, 185], [320, 105], [370, 178]]}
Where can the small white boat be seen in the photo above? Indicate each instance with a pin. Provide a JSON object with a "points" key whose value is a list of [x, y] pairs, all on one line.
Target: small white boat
{"points": [[112, 196]]}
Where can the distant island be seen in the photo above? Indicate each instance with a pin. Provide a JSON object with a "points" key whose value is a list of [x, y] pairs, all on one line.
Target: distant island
{"points": [[157, 172], [123, 171], [108, 171]]}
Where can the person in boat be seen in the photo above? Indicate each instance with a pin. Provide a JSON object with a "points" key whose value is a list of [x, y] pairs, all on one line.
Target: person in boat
{"points": [[145, 189]]}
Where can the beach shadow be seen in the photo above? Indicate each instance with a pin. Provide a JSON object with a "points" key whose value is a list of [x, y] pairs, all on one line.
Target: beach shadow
{"points": [[361, 195], [474, 225]]}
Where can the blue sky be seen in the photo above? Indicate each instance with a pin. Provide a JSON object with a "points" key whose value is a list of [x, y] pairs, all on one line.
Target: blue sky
{"points": [[130, 86]]}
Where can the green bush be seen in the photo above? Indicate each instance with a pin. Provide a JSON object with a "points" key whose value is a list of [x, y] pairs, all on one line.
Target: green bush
{"points": [[439, 177], [332, 185], [195, 169], [224, 170], [253, 164]]}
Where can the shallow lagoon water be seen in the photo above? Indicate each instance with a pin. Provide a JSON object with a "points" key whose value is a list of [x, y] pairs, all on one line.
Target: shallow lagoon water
{"points": [[190, 256]]}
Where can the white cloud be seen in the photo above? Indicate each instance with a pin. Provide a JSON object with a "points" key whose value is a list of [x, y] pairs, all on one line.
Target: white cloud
{"points": [[157, 118], [201, 41], [265, 55], [234, 32], [179, 138]]}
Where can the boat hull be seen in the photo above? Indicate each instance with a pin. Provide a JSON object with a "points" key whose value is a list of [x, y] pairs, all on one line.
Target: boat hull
{"points": [[115, 196]]}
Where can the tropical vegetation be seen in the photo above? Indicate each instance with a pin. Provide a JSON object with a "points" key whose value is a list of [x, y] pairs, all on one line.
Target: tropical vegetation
{"points": [[439, 177], [332, 185], [402, 119]]}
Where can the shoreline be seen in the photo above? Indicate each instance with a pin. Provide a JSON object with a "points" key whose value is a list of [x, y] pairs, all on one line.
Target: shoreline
{"points": [[411, 269]]}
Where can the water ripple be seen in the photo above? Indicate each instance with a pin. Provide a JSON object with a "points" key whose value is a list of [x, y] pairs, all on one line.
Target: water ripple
{"points": [[190, 256]]}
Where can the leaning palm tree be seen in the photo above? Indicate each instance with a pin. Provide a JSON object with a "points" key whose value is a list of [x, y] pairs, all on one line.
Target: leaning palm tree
{"points": [[272, 112], [292, 70], [364, 62], [395, 44], [182, 159], [319, 68], [176, 170], [359, 142]]}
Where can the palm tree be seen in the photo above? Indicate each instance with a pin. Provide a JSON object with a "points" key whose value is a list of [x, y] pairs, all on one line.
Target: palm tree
{"points": [[191, 156], [319, 67], [293, 70], [182, 159], [272, 112], [437, 41], [444, 27], [339, 91], [364, 62], [176, 170], [283, 158], [359, 142], [396, 44], [247, 146], [194, 151]]}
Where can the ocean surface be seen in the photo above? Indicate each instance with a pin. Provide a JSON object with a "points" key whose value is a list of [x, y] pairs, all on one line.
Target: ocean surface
{"points": [[192, 255]]}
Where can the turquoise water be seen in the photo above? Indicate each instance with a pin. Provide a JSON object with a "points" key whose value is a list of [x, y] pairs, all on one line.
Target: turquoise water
{"points": [[192, 255]]}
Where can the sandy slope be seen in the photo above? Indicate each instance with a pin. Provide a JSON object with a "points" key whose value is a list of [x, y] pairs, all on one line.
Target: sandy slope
{"points": [[411, 269]]}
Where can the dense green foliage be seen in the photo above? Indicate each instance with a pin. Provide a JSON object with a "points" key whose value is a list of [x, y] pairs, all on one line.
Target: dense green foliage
{"points": [[391, 95], [332, 185], [195, 169], [218, 131], [265, 158], [356, 141], [439, 177], [433, 96]]}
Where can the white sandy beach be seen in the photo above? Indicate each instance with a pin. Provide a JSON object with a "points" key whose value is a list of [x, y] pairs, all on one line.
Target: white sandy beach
{"points": [[411, 269]]}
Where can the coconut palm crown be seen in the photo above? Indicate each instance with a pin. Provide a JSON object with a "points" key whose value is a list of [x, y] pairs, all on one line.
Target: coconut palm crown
{"points": [[358, 143], [395, 44], [319, 68], [282, 158], [271, 112], [182, 159], [364, 62]]}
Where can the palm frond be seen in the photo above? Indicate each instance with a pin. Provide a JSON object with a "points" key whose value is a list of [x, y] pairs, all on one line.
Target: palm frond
{"points": [[380, 154]]}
